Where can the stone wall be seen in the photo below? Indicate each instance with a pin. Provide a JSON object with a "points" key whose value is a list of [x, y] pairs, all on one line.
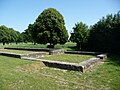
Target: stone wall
{"points": [[34, 55], [50, 50], [10, 54], [30, 49], [82, 52], [82, 66], [30, 55], [62, 65], [56, 51]]}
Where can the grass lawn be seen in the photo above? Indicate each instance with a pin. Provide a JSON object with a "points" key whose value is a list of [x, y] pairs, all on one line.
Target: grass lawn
{"points": [[16, 74], [16, 51], [74, 58], [67, 46]]}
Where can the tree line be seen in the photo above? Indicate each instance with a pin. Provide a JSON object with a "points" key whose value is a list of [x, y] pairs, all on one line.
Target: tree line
{"points": [[9, 35], [104, 36], [50, 28]]}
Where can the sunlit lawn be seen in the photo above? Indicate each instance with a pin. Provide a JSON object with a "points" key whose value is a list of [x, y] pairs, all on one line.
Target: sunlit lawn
{"points": [[74, 58], [16, 74], [67, 46]]}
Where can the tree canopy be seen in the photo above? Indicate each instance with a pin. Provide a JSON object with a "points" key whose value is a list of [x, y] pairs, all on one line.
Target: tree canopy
{"points": [[80, 34], [8, 35], [49, 27], [105, 34]]}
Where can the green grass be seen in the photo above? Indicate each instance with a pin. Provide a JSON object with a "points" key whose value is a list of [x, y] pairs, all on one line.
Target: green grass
{"points": [[67, 46], [16, 74], [15, 51], [74, 58]]}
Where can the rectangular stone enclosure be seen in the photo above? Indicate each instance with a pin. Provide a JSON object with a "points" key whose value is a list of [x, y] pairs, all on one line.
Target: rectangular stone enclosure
{"points": [[82, 66]]}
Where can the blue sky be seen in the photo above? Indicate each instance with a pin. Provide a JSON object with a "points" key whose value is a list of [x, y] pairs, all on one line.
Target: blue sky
{"points": [[18, 14]]}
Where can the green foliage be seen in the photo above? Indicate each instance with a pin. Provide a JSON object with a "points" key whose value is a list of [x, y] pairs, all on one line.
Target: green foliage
{"points": [[8, 35], [27, 35], [49, 27], [80, 34], [105, 34]]}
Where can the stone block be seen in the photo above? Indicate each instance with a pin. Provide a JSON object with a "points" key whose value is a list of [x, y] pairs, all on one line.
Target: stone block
{"points": [[102, 56], [89, 63], [56, 51], [62, 65]]}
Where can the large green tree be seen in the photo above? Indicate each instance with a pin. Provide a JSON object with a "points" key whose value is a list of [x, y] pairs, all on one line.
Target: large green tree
{"points": [[80, 35], [49, 27], [105, 34]]}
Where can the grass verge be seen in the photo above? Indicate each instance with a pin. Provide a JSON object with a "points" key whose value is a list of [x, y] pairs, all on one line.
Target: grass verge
{"points": [[67, 46], [16, 51]]}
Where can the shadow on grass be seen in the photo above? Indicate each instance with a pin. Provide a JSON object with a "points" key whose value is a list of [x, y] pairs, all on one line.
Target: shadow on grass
{"points": [[114, 59]]}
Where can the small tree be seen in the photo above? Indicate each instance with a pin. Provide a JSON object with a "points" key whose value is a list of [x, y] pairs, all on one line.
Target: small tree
{"points": [[49, 28], [80, 34]]}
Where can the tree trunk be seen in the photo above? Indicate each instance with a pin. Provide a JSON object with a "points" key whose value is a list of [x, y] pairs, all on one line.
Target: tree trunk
{"points": [[3, 43], [79, 46], [34, 43], [51, 45]]}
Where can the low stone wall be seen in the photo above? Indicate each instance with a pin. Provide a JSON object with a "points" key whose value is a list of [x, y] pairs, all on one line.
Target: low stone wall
{"points": [[62, 65], [89, 63], [10, 54], [56, 51], [34, 55], [30, 55], [102, 56], [82, 66], [30, 49], [50, 50], [82, 52]]}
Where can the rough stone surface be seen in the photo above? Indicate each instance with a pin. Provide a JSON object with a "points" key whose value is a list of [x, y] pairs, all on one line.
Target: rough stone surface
{"points": [[27, 58], [62, 65], [56, 51], [102, 56], [89, 63], [82, 52], [34, 55], [30, 49], [31, 55]]}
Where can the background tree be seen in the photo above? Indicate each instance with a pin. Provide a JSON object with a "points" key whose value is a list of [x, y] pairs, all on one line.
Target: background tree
{"points": [[4, 35], [105, 34], [26, 36], [49, 28], [80, 35], [19, 37], [8, 35]]}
